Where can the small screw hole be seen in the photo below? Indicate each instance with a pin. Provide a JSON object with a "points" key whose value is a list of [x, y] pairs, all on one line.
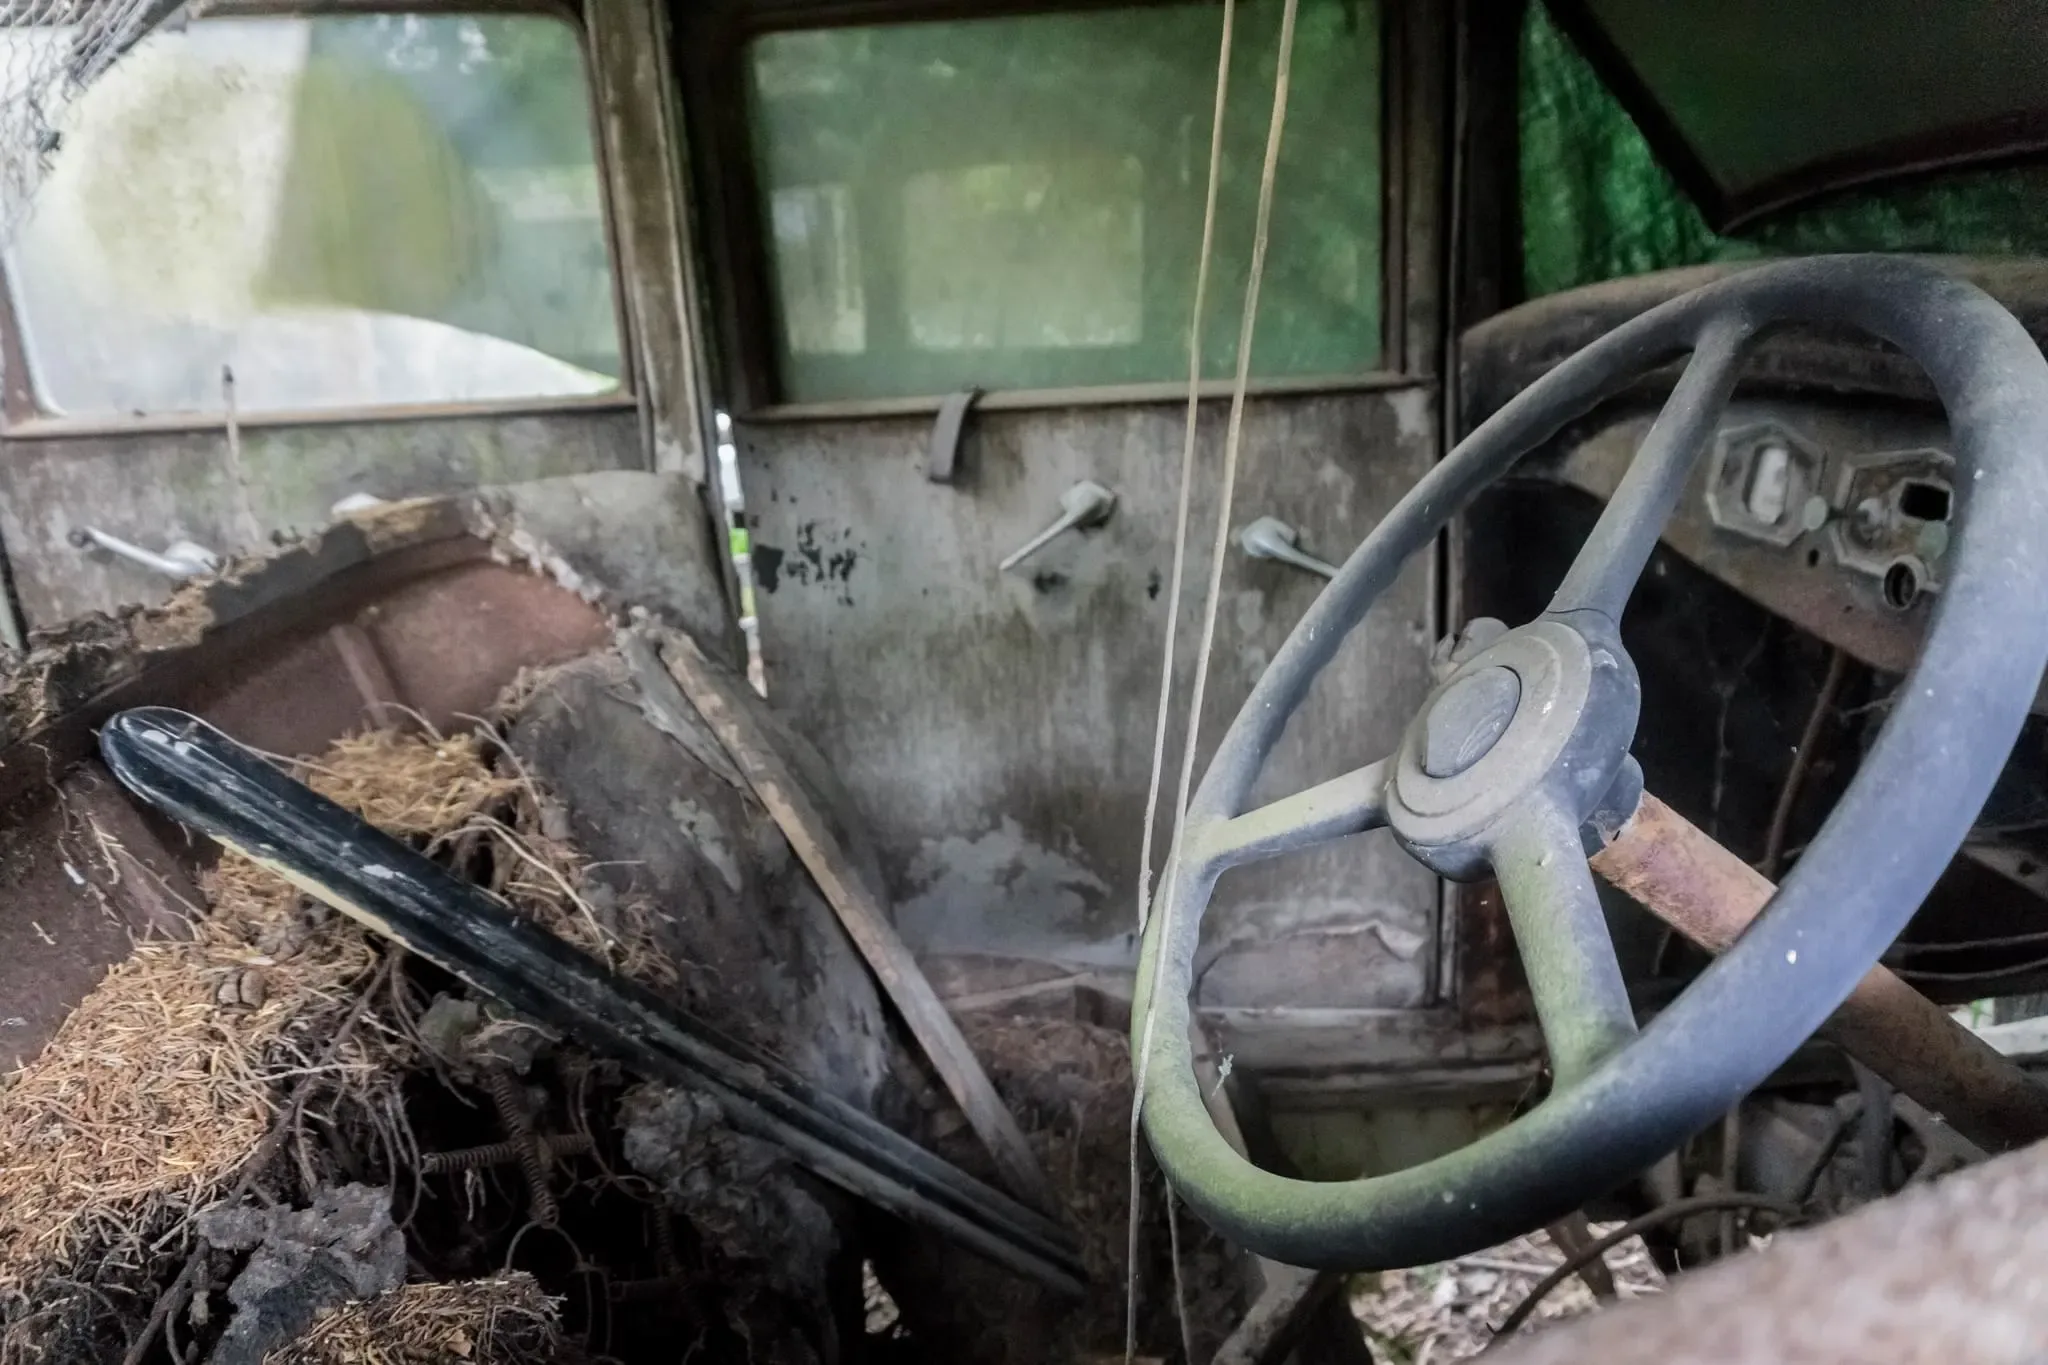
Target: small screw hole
{"points": [[1813, 559], [1901, 585]]}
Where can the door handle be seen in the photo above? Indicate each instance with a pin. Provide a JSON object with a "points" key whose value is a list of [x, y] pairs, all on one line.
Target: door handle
{"points": [[1272, 538], [180, 559], [1084, 505]]}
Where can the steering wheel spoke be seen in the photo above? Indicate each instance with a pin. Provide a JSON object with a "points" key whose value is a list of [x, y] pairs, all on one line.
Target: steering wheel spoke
{"points": [[1608, 564], [1351, 804], [1561, 935]]}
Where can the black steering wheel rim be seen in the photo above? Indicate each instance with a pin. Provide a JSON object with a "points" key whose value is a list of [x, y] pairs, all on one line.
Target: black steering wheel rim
{"points": [[1894, 830]]}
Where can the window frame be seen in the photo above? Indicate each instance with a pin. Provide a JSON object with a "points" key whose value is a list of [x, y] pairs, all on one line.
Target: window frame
{"points": [[23, 416], [712, 54]]}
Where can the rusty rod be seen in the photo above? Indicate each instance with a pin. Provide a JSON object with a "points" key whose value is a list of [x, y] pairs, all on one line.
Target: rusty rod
{"points": [[1679, 874]]}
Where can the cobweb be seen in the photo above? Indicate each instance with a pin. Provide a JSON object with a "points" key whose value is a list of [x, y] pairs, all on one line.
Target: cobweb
{"points": [[49, 51]]}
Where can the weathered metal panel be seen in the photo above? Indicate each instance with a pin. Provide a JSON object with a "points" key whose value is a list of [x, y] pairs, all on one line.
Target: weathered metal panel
{"points": [[629, 42], [996, 728], [1802, 579], [152, 487]]}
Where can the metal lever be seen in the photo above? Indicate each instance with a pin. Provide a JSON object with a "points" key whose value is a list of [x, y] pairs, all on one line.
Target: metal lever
{"points": [[1272, 538], [181, 558], [1084, 505]]}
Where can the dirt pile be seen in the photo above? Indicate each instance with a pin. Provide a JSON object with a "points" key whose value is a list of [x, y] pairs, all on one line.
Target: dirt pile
{"points": [[1069, 1083]]}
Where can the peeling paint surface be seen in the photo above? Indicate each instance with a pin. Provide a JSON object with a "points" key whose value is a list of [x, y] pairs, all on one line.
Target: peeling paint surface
{"points": [[1414, 413], [959, 881], [707, 836]]}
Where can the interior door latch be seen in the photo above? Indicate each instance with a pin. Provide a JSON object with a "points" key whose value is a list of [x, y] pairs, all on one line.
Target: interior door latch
{"points": [[1084, 505]]}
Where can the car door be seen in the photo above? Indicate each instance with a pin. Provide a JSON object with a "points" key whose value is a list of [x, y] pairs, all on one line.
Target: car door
{"points": [[1008, 209], [283, 258]]}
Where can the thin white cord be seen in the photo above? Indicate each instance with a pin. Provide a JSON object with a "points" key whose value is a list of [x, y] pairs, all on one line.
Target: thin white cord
{"points": [[1180, 1298], [1187, 465], [1180, 556], [1233, 437]]}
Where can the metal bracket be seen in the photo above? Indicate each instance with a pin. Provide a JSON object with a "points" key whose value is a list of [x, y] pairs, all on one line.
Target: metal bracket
{"points": [[942, 464]]}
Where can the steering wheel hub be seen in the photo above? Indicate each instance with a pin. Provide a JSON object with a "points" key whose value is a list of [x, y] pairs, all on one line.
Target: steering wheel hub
{"points": [[1467, 719], [1542, 713]]}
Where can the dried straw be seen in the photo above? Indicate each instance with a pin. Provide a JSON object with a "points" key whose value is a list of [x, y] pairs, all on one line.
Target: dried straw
{"points": [[504, 1321], [167, 1075], [409, 785], [162, 1083], [153, 1092], [446, 791]]}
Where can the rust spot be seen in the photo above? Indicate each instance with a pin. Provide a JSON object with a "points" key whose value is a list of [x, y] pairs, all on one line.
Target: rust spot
{"points": [[1492, 988]]}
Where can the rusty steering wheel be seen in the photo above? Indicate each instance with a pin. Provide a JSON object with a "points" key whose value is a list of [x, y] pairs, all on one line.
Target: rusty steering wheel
{"points": [[1524, 747]]}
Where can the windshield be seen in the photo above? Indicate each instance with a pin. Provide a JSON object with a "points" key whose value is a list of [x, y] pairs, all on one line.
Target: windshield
{"points": [[1597, 205]]}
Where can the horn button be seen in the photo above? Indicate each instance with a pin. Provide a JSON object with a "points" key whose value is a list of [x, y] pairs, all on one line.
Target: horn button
{"points": [[1468, 718], [1545, 713]]}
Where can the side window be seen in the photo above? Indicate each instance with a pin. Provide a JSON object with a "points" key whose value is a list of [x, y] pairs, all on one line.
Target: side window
{"points": [[1017, 202], [348, 210]]}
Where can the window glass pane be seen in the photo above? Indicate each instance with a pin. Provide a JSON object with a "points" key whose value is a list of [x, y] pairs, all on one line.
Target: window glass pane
{"points": [[1017, 202], [366, 209]]}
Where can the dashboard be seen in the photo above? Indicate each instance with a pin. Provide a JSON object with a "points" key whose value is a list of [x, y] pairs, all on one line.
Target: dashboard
{"points": [[1818, 520]]}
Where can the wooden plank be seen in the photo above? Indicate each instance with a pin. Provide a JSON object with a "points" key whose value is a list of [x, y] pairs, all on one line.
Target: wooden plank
{"points": [[867, 923], [668, 710], [1280, 1315], [1679, 874]]}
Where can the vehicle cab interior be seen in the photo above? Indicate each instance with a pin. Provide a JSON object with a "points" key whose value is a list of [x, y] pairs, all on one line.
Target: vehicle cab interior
{"points": [[1453, 593]]}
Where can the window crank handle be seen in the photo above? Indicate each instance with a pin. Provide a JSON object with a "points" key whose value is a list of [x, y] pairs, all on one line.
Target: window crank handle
{"points": [[1272, 538], [181, 559], [1084, 505]]}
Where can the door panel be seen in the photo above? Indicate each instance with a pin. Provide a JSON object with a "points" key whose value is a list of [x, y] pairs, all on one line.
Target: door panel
{"points": [[152, 488], [996, 728]]}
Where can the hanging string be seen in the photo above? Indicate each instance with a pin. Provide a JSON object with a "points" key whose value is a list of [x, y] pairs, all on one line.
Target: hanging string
{"points": [[1173, 596], [1232, 440], [1187, 465]]}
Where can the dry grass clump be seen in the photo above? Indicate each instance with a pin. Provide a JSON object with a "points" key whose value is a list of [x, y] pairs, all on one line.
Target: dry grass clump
{"points": [[537, 870], [499, 824], [409, 785], [1436, 1314], [504, 1321], [162, 1081], [166, 1077]]}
